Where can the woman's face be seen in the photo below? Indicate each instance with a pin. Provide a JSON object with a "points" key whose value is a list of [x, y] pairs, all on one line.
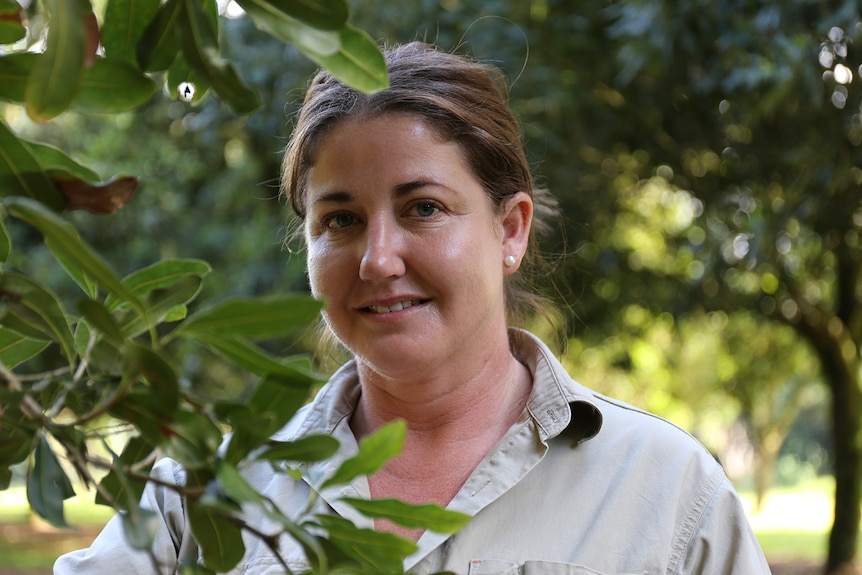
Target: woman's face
{"points": [[404, 246]]}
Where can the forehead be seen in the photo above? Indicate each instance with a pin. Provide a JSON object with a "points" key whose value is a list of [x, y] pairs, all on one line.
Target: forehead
{"points": [[388, 145]]}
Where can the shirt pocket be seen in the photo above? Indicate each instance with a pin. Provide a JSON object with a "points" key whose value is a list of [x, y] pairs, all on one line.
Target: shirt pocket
{"points": [[502, 567]]}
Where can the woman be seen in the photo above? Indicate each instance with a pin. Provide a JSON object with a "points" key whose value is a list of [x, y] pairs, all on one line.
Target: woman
{"points": [[417, 207]]}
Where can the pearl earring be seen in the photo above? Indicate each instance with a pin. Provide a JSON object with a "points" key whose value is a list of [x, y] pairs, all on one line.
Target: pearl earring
{"points": [[509, 261]]}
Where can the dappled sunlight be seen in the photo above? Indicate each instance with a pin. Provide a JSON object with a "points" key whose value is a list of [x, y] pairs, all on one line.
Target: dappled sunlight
{"points": [[807, 510]]}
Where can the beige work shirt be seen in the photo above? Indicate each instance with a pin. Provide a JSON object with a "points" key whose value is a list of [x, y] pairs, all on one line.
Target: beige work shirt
{"points": [[580, 485]]}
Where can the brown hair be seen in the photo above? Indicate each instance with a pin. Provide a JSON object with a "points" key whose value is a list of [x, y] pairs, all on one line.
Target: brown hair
{"points": [[465, 102]]}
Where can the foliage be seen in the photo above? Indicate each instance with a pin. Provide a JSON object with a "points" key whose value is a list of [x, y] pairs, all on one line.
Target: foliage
{"points": [[109, 351]]}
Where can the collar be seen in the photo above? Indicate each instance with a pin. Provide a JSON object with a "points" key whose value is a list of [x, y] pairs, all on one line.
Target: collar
{"points": [[558, 404]]}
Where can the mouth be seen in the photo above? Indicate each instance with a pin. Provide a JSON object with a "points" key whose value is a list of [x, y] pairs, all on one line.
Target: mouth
{"points": [[398, 306]]}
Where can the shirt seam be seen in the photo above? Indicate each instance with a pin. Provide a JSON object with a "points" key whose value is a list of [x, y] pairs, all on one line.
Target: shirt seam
{"points": [[682, 543]]}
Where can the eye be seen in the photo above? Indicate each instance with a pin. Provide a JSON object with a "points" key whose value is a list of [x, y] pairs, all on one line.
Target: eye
{"points": [[339, 221], [425, 209]]}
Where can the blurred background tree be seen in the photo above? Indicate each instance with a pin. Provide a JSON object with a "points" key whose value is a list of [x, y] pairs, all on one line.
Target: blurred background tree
{"points": [[706, 157]]}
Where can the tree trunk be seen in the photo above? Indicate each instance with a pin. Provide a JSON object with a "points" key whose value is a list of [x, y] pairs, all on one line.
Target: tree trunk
{"points": [[839, 359], [846, 451], [766, 458]]}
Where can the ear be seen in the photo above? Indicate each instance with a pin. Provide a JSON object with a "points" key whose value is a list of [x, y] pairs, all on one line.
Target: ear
{"points": [[516, 220]]}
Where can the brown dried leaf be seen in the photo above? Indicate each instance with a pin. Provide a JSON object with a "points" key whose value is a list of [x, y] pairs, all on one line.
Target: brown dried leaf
{"points": [[92, 38], [103, 198], [11, 17]]}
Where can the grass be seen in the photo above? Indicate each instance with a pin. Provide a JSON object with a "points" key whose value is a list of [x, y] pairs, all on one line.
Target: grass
{"points": [[793, 524], [29, 544]]}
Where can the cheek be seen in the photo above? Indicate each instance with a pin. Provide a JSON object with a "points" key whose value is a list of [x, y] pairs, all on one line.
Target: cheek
{"points": [[315, 264], [328, 269]]}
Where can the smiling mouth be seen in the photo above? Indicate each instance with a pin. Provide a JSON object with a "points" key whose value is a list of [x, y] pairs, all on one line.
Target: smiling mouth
{"points": [[394, 307]]}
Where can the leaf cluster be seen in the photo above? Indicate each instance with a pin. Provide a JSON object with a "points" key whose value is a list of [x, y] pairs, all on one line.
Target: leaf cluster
{"points": [[110, 353]]}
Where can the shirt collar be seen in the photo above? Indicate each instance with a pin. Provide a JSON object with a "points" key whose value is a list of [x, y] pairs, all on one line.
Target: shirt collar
{"points": [[558, 404]]}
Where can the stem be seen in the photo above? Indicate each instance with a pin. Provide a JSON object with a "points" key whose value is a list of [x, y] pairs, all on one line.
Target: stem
{"points": [[46, 374], [271, 542], [79, 373], [29, 407]]}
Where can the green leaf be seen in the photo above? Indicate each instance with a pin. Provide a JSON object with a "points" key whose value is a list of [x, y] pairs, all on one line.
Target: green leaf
{"points": [[280, 24], [21, 174], [162, 302], [9, 7], [192, 567], [234, 485], [15, 349], [50, 158], [194, 439], [278, 394], [359, 63], [108, 86], [159, 276], [14, 71], [176, 314], [32, 303], [11, 29], [179, 73], [255, 318], [374, 451], [425, 516], [384, 552], [98, 316], [158, 372], [123, 490], [111, 86], [124, 25], [320, 14], [273, 402], [140, 528], [311, 448], [5, 478], [219, 538], [54, 79], [5, 241], [200, 49], [47, 485], [159, 44], [145, 412], [249, 356], [79, 275], [63, 241], [16, 437]]}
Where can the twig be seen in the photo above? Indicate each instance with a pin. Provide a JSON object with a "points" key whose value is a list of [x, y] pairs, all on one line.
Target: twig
{"points": [[29, 407]]}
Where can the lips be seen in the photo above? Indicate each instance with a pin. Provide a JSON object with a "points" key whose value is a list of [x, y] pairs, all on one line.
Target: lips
{"points": [[397, 306]]}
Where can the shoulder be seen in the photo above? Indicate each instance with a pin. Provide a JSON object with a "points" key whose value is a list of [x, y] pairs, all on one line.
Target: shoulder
{"points": [[621, 421], [562, 406]]}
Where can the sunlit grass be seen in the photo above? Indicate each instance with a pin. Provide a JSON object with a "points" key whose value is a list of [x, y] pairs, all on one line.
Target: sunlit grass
{"points": [[79, 510], [794, 522], [28, 543]]}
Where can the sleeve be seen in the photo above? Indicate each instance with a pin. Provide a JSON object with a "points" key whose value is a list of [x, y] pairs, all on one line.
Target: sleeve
{"points": [[723, 543], [110, 553]]}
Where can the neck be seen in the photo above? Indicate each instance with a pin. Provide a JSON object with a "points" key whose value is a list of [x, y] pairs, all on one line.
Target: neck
{"points": [[453, 418], [451, 405]]}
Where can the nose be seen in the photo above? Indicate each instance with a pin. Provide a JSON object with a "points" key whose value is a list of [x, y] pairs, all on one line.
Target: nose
{"points": [[382, 258]]}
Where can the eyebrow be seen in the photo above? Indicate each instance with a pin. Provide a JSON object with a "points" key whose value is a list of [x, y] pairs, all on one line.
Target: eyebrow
{"points": [[401, 190]]}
